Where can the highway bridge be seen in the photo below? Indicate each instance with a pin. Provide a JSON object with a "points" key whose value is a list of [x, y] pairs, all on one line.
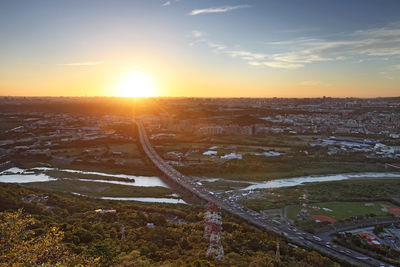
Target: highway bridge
{"points": [[295, 235]]}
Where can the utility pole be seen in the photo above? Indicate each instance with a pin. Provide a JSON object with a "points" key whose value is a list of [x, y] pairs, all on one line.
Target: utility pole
{"points": [[122, 233], [277, 254]]}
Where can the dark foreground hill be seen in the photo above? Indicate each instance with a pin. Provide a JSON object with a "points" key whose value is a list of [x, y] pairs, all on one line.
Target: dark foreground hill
{"points": [[65, 229]]}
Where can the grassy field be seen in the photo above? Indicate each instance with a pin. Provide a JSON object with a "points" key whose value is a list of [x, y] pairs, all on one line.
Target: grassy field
{"points": [[95, 189], [364, 190], [273, 199], [294, 162], [354, 190], [136, 166], [96, 157], [260, 169], [128, 150], [341, 210], [10, 123], [223, 185], [271, 140], [69, 175]]}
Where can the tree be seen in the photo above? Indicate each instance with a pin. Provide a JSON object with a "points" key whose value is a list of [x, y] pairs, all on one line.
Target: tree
{"points": [[158, 219], [105, 252], [200, 263], [20, 246]]}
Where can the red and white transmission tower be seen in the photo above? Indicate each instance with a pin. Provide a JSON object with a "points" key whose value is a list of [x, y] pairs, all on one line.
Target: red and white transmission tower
{"points": [[303, 213], [212, 230]]}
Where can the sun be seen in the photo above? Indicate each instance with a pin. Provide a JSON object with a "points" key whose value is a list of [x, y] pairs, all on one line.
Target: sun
{"points": [[136, 84]]}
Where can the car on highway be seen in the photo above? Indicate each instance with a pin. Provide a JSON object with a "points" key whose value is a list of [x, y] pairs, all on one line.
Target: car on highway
{"points": [[317, 238]]}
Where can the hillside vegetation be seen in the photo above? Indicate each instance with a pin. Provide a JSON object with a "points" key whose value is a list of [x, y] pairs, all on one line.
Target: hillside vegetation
{"points": [[66, 230]]}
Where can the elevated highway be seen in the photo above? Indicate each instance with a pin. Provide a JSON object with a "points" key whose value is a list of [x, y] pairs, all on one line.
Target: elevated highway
{"points": [[295, 235]]}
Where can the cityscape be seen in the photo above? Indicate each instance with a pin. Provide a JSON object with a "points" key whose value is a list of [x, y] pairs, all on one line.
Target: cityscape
{"points": [[200, 133]]}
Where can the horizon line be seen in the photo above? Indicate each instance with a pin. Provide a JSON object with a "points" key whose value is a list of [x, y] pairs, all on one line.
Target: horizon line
{"points": [[219, 97]]}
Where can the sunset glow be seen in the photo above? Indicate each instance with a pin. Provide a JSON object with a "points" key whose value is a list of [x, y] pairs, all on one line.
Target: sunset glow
{"points": [[136, 84], [127, 127], [210, 48]]}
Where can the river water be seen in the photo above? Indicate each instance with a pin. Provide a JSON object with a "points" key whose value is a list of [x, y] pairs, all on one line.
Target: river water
{"points": [[17, 175], [148, 199], [288, 182]]}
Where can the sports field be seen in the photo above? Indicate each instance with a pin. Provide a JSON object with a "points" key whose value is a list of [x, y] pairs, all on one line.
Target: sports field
{"points": [[342, 210]]}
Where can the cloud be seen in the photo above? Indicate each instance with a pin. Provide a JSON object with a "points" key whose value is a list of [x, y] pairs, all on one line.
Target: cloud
{"points": [[198, 34], [397, 67], [370, 44], [86, 63], [254, 59], [277, 65], [380, 32], [300, 58], [297, 30], [373, 43], [216, 9], [245, 55], [282, 65], [168, 3], [216, 46], [386, 75], [292, 42], [315, 83]]}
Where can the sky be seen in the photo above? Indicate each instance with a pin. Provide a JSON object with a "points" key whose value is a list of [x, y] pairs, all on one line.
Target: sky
{"points": [[201, 48]]}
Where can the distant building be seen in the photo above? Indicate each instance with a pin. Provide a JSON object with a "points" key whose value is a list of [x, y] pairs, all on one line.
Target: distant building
{"points": [[211, 130], [370, 238]]}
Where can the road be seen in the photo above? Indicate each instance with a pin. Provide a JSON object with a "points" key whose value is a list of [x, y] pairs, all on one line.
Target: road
{"points": [[295, 235]]}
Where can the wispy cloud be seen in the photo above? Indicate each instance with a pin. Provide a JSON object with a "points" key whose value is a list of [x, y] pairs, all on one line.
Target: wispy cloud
{"points": [[376, 43], [85, 63], [245, 55], [275, 64], [217, 47], [216, 9], [281, 65], [198, 34], [169, 2], [370, 44], [252, 58]]}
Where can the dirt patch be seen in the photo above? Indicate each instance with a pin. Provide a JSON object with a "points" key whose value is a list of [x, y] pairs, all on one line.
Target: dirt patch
{"points": [[392, 210]]}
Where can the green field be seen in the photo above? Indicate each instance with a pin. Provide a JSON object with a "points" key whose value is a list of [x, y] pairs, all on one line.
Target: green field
{"points": [[341, 210], [223, 185], [135, 166], [363, 190], [260, 169], [294, 162], [10, 123], [270, 140], [96, 189]]}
